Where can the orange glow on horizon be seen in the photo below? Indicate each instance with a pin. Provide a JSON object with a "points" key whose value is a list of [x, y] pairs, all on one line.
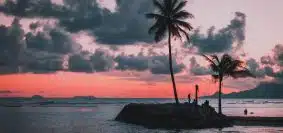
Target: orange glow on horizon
{"points": [[98, 85]]}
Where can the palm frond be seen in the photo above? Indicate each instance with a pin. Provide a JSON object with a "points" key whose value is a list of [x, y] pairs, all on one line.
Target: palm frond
{"points": [[215, 57], [183, 15], [232, 66], [241, 74], [225, 61], [212, 63], [226, 57], [175, 31], [174, 3], [167, 4], [215, 77], [155, 16], [183, 24], [159, 6], [154, 27], [208, 59], [160, 33], [214, 67], [166, 18], [184, 33], [180, 6]]}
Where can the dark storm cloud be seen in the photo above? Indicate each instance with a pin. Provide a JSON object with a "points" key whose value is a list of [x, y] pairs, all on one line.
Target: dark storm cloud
{"points": [[43, 51], [79, 63], [156, 64], [196, 69], [82, 15], [33, 8], [267, 60], [269, 71], [125, 26], [11, 43], [54, 40], [45, 66], [138, 63], [39, 52], [275, 59], [74, 15], [255, 69], [278, 54], [160, 65], [252, 65], [8, 70], [222, 40], [100, 61], [41, 61]]}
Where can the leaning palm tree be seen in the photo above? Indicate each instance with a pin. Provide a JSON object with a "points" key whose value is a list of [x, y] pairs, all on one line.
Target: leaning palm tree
{"points": [[226, 67], [170, 19]]}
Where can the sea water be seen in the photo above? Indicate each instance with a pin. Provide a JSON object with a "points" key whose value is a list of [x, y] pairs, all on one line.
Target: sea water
{"points": [[97, 116]]}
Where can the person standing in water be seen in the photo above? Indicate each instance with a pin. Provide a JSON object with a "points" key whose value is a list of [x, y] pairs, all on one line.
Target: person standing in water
{"points": [[246, 112]]}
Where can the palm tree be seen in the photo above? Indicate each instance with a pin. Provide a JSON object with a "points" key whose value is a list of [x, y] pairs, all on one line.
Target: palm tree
{"points": [[170, 18], [226, 67]]}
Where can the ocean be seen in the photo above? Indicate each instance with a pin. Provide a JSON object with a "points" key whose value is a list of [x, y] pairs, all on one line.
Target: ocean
{"points": [[97, 116]]}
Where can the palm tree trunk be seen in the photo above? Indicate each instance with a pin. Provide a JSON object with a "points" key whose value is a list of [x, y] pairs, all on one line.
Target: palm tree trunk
{"points": [[171, 68], [219, 97]]}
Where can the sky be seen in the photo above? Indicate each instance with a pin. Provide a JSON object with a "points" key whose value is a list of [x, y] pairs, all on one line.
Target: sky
{"points": [[109, 53]]}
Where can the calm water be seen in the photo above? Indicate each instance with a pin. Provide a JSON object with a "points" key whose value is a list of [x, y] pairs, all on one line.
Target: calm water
{"points": [[97, 117]]}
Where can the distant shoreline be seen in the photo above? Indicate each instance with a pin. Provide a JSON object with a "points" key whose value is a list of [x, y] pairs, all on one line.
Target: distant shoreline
{"points": [[68, 98]]}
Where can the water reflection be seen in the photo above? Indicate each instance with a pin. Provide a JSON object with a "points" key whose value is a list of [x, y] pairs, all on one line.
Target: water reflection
{"points": [[99, 119]]}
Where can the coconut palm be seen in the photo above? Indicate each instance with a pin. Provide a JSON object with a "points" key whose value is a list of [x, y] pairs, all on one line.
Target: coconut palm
{"points": [[170, 19], [226, 67]]}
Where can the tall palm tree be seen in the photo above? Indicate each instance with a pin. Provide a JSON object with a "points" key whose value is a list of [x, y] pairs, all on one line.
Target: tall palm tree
{"points": [[226, 67], [170, 18]]}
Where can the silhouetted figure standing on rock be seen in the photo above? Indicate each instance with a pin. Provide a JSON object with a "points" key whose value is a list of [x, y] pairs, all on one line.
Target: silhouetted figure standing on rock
{"points": [[206, 103], [206, 108], [189, 98]]}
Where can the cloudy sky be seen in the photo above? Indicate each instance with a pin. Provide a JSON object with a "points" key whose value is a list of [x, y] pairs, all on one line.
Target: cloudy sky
{"points": [[102, 48]]}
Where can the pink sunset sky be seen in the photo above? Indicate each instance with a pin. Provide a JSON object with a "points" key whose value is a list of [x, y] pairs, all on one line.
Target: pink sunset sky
{"points": [[263, 30]]}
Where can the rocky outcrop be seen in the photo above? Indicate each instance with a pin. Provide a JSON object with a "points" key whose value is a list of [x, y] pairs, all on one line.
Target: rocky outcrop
{"points": [[172, 116]]}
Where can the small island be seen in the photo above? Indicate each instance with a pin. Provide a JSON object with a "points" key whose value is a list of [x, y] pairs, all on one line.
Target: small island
{"points": [[84, 97], [37, 97], [173, 116]]}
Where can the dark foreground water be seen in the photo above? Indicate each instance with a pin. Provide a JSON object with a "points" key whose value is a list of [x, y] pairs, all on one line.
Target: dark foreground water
{"points": [[96, 116]]}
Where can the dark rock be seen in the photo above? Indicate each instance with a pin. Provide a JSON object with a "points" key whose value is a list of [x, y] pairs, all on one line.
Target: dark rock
{"points": [[172, 116]]}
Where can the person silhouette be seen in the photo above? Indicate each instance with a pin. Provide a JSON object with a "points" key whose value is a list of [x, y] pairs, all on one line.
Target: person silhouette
{"points": [[246, 112], [189, 98]]}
